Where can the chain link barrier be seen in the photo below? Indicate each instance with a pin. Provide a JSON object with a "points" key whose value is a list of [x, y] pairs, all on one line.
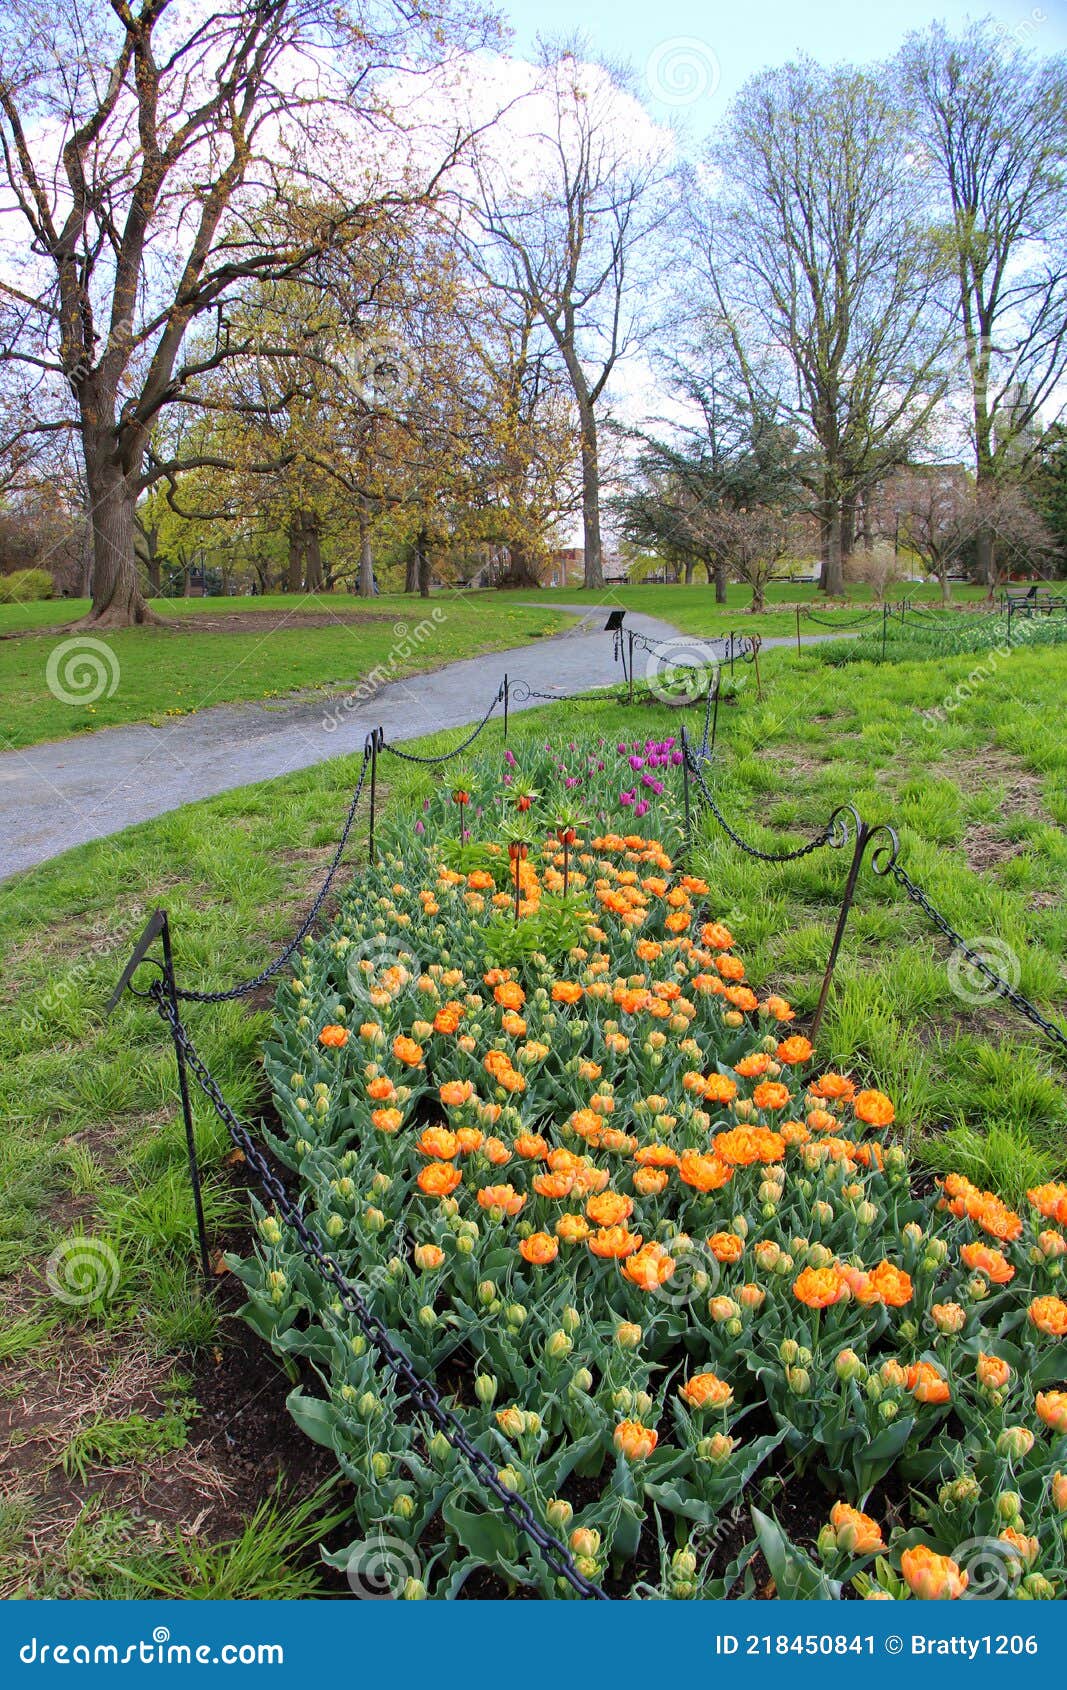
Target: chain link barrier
{"points": [[445, 756], [853, 622], [423, 1395], [835, 833], [888, 865], [265, 974]]}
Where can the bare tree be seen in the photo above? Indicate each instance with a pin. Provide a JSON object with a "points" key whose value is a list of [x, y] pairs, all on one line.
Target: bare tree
{"points": [[818, 268], [993, 126], [566, 241], [162, 156], [943, 518]]}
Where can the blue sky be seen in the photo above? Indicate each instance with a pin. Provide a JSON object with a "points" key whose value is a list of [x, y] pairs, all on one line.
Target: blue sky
{"points": [[690, 58]]}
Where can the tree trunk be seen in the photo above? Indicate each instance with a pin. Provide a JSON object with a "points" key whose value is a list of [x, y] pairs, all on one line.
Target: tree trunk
{"points": [[594, 552], [295, 577], [422, 554], [848, 527], [411, 571], [833, 576], [522, 570], [312, 553], [365, 586], [117, 598]]}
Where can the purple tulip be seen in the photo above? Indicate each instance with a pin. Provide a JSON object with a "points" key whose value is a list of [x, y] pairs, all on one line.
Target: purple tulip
{"points": [[420, 827], [641, 808], [622, 750], [627, 798], [637, 762], [676, 758], [509, 758]]}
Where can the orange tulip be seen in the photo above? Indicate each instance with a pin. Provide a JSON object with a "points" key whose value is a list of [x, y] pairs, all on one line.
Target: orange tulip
{"points": [[874, 1108], [932, 1577], [706, 1390], [503, 1197], [334, 1037], [634, 1440], [1049, 1315], [438, 1179], [819, 1288], [539, 1249]]}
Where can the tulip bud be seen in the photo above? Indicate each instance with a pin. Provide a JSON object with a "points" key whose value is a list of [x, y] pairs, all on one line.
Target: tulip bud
{"points": [[558, 1513], [510, 1478], [684, 1563], [751, 1297], [1009, 1504], [623, 1400], [826, 1543], [888, 1409], [873, 1387], [585, 1541], [628, 1335], [334, 1227], [1015, 1442], [1038, 1588], [404, 1506], [368, 1406], [269, 1230], [1059, 1491], [485, 1388], [414, 1591], [570, 1320], [716, 1449], [866, 1213], [380, 1464], [582, 1381], [949, 1318], [788, 1351], [558, 1345], [722, 1309], [799, 1380], [486, 1292], [515, 1314], [358, 1345], [440, 1449], [847, 1365], [278, 1286]]}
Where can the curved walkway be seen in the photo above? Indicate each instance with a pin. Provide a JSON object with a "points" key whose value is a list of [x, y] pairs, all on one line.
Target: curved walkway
{"points": [[66, 792]]}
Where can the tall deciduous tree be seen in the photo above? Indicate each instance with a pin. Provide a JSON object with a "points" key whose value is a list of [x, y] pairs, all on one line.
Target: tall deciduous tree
{"points": [[993, 127], [817, 265], [565, 240], [142, 142]]}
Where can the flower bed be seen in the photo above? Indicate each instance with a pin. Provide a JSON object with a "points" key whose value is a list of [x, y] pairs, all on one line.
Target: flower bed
{"points": [[666, 1263]]}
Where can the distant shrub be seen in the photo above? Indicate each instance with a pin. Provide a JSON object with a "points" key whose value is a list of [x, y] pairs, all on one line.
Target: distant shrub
{"points": [[23, 585]]}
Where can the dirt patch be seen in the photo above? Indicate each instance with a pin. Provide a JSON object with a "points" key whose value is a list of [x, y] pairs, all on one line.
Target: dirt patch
{"points": [[793, 764], [986, 848], [1023, 789]]}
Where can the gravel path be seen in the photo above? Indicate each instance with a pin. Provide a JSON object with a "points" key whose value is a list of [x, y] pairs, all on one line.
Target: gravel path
{"points": [[66, 792]]}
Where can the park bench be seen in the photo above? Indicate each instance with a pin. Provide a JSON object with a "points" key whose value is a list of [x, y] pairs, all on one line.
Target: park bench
{"points": [[1033, 598]]}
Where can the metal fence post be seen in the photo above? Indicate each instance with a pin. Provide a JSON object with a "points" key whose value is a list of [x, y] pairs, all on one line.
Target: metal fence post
{"points": [[187, 1109], [505, 709], [885, 625], [798, 630], [376, 737], [630, 638], [864, 835]]}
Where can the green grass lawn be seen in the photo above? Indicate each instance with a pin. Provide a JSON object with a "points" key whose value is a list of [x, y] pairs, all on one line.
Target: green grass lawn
{"points": [[159, 672], [93, 1141]]}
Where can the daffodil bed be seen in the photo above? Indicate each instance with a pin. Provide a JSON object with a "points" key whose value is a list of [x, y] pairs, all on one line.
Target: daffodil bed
{"points": [[663, 1261]]}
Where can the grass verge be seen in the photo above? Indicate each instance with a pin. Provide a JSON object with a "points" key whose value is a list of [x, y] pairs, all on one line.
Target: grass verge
{"points": [[131, 1464]]}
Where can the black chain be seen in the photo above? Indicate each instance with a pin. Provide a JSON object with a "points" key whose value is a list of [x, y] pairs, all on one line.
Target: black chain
{"points": [[1003, 987], [446, 756], [423, 1395], [832, 834], [852, 622], [308, 923]]}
